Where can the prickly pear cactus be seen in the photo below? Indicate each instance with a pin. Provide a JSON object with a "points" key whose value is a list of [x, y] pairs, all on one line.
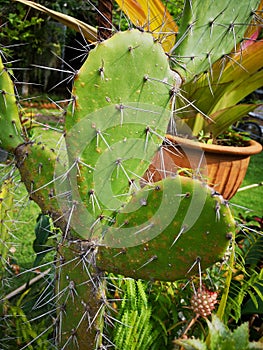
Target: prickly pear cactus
{"points": [[6, 202], [167, 231], [116, 122], [9, 118], [210, 30], [115, 129]]}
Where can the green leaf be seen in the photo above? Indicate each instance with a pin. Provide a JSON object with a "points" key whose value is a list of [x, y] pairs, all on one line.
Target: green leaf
{"points": [[241, 336], [224, 298], [42, 232], [226, 117], [217, 332], [191, 344], [250, 307], [205, 33]]}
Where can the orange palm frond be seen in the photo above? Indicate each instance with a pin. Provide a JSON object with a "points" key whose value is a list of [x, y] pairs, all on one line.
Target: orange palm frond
{"points": [[254, 29], [153, 16]]}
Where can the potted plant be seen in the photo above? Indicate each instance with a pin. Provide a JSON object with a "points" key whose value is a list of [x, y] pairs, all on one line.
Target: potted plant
{"points": [[216, 76], [208, 106]]}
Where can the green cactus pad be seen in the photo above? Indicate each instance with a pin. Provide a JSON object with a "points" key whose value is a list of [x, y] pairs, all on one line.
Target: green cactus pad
{"points": [[113, 158], [209, 30], [79, 295], [36, 164], [128, 67], [6, 215], [116, 121], [166, 231], [9, 117]]}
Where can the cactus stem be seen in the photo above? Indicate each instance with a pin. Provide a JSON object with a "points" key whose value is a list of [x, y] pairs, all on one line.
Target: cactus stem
{"points": [[80, 295]]}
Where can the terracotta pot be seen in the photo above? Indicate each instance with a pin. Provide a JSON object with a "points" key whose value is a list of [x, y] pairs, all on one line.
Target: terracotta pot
{"points": [[222, 167]]}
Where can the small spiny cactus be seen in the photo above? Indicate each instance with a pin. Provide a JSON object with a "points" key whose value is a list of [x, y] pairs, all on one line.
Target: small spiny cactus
{"points": [[203, 302]]}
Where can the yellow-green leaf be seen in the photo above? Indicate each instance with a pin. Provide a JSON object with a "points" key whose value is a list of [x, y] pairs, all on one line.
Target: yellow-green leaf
{"points": [[153, 16], [226, 117]]}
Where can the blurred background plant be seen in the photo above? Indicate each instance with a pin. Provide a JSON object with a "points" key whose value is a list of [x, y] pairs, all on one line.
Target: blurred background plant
{"points": [[27, 37]]}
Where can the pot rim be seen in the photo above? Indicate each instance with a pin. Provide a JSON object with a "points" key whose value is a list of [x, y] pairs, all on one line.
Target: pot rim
{"points": [[253, 146]]}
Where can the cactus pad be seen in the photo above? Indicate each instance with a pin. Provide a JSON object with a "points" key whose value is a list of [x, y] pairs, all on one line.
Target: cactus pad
{"points": [[36, 163], [209, 30], [9, 118], [129, 67], [115, 123], [167, 230]]}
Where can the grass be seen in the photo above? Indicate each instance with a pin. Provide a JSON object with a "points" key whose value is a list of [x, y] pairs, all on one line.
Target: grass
{"points": [[25, 214], [251, 199]]}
